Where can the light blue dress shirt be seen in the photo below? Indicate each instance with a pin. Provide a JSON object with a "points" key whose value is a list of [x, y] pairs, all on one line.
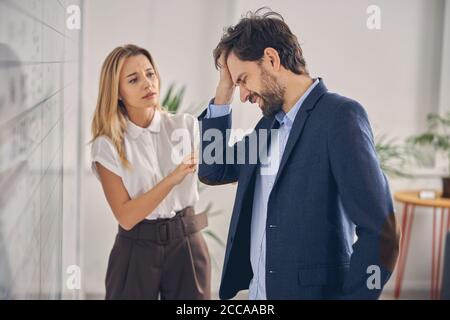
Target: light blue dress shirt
{"points": [[265, 179]]}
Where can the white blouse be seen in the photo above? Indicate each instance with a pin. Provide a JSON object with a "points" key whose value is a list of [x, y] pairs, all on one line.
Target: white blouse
{"points": [[153, 153]]}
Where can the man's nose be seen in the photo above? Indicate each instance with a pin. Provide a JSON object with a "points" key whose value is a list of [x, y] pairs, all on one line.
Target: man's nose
{"points": [[244, 94]]}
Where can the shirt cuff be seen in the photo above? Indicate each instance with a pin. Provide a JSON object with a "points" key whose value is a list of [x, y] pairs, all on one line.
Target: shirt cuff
{"points": [[215, 110]]}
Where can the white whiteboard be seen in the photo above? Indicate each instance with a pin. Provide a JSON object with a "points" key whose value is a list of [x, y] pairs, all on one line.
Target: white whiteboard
{"points": [[39, 69]]}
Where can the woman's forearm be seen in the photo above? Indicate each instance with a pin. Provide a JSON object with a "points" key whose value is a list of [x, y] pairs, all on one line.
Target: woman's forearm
{"points": [[135, 210]]}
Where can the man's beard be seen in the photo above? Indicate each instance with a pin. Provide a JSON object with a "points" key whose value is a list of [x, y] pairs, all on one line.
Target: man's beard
{"points": [[272, 95]]}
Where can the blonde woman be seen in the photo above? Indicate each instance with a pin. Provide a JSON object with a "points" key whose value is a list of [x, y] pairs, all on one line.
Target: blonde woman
{"points": [[159, 250]]}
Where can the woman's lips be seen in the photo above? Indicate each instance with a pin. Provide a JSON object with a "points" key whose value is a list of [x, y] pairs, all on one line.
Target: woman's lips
{"points": [[149, 96]]}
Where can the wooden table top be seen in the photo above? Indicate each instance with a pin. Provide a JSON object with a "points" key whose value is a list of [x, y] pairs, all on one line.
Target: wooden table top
{"points": [[412, 197]]}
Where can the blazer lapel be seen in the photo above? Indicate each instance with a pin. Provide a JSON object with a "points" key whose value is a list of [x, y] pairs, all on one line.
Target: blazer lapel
{"points": [[299, 123]]}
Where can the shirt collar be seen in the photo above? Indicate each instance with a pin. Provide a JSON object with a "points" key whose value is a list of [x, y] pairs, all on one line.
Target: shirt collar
{"points": [[288, 118], [155, 126]]}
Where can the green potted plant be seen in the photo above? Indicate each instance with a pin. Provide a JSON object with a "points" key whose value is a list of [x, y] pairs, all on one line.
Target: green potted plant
{"points": [[437, 136], [392, 156]]}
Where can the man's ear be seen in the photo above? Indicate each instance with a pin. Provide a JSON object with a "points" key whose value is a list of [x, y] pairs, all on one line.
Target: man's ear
{"points": [[272, 57]]}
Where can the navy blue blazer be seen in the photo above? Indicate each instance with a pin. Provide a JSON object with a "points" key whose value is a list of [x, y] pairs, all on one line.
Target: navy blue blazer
{"points": [[328, 186]]}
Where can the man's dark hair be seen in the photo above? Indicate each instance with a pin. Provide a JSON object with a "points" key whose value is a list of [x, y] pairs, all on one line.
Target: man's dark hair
{"points": [[255, 32]]}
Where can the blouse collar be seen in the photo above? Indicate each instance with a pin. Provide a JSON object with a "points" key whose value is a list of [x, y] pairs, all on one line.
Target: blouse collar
{"points": [[154, 126]]}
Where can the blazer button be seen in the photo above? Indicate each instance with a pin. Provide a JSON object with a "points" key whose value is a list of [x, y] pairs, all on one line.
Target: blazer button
{"points": [[272, 226], [272, 272]]}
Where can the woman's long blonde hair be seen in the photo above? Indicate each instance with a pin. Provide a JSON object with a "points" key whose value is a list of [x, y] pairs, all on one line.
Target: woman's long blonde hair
{"points": [[110, 113]]}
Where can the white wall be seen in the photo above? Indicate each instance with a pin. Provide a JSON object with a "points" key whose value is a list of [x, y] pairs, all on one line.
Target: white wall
{"points": [[444, 101], [394, 72]]}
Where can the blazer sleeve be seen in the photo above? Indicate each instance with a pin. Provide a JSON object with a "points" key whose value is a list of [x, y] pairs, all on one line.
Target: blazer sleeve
{"points": [[218, 161], [365, 195]]}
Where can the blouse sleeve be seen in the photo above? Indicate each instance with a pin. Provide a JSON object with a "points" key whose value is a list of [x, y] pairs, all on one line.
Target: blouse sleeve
{"points": [[104, 152]]}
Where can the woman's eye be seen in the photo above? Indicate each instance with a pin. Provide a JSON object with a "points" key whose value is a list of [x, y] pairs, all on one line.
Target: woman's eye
{"points": [[132, 80], [150, 75]]}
